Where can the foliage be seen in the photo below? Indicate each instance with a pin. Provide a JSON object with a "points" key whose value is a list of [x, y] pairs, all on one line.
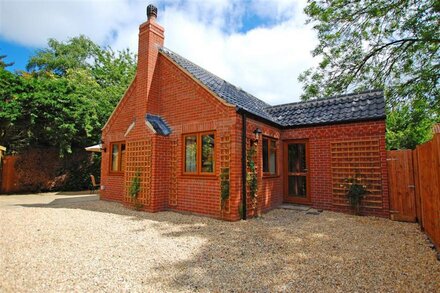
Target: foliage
{"points": [[78, 171], [3, 63], [67, 97], [356, 190], [13, 126], [392, 45], [409, 124], [135, 186], [224, 186], [59, 57], [240, 209], [252, 178]]}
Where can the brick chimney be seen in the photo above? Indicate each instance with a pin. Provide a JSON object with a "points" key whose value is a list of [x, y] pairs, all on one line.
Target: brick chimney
{"points": [[151, 37]]}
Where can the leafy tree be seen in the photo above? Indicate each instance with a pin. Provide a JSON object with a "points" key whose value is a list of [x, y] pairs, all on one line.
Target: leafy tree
{"points": [[76, 53], [408, 124], [114, 71], [390, 44], [3, 64], [62, 103], [61, 112], [13, 127], [67, 97]]}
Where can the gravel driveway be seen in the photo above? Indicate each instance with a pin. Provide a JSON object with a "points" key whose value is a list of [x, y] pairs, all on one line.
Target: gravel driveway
{"points": [[102, 246]]}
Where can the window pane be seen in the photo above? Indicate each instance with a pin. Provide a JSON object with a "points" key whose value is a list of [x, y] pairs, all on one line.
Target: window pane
{"points": [[297, 186], [115, 161], [208, 153], [297, 158], [302, 157], [190, 154], [293, 157], [122, 157], [272, 161], [265, 155]]}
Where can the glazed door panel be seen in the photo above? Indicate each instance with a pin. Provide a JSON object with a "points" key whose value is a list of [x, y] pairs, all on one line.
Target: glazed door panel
{"points": [[296, 170]]}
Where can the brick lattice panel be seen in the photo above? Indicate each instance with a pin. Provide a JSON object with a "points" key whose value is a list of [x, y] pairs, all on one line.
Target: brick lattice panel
{"points": [[174, 170], [225, 159], [139, 158], [362, 157]]}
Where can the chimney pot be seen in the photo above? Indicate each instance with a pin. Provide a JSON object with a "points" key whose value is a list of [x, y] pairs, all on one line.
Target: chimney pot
{"points": [[151, 11]]}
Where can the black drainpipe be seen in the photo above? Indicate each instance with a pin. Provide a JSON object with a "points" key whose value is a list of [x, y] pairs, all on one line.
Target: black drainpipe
{"points": [[243, 165]]}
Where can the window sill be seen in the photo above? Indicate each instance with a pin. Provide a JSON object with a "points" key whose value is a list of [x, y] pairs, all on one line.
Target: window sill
{"points": [[198, 176], [113, 173], [270, 176]]}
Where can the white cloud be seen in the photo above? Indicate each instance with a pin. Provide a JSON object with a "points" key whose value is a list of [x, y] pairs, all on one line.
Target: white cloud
{"points": [[33, 22], [264, 61], [280, 9]]}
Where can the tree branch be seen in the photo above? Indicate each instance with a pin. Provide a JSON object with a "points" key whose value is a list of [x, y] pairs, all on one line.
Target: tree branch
{"points": [[375, 51]]}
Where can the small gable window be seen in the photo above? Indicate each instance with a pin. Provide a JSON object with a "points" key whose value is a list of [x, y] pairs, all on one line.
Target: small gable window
{"points": [[117, 157], [269, 156], [199, 153]]}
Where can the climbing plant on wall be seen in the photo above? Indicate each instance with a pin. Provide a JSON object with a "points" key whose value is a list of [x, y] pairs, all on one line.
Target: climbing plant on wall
{"points": [[135, 188], [252, 177], [224, 186]]}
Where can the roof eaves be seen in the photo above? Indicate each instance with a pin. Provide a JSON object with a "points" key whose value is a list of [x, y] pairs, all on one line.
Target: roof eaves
{"points": [[255, 116], [366, 119]]}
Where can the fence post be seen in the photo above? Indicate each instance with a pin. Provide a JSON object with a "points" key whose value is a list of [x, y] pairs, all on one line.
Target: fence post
{"points": [[417, 189]]}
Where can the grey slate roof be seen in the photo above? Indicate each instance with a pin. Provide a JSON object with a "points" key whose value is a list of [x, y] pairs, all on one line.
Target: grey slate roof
{"points": [[346, 108], [368, 105], [159, 125]]}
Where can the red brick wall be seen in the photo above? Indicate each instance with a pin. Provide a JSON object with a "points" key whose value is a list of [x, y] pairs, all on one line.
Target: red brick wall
{"points": [[320, 138], [161, 176], [270, 188], [188, 107], [151, 37], [133, 107]]}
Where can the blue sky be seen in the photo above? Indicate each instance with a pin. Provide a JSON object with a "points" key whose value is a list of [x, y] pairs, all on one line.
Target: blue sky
{"points": [[261, 45], [19, 54]]}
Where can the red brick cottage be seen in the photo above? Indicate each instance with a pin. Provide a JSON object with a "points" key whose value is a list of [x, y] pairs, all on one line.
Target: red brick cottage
{"points": [[185, 133]]}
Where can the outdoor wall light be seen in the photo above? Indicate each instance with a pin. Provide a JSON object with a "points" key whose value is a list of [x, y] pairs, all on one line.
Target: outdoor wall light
{"points": [[257, 133], [102, 146]]}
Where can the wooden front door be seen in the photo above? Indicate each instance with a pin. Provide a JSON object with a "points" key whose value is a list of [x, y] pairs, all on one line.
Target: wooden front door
{"points": [[296, 170]]}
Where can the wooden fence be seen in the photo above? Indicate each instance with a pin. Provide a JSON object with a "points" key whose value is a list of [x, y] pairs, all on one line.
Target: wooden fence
{"points": [[401, 185], [414, 178], [8, 184]]}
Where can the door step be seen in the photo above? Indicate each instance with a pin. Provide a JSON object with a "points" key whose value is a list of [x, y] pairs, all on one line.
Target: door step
{"points": [[296, 207]]}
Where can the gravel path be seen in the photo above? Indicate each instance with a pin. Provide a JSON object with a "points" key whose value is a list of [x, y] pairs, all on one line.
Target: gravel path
{"points": [[102, 246]]}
